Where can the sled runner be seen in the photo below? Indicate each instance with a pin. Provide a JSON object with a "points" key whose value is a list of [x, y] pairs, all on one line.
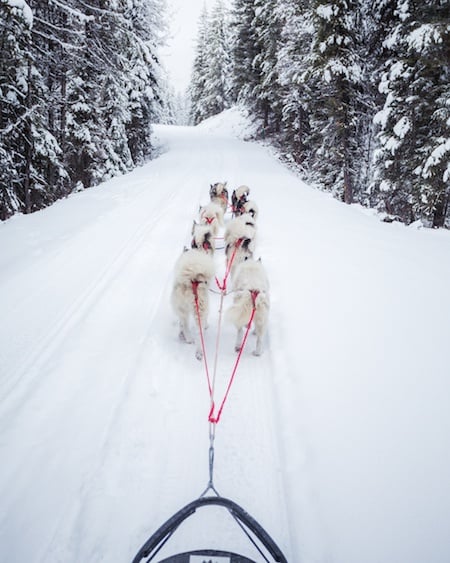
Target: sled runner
{"points": [[255, 533]]}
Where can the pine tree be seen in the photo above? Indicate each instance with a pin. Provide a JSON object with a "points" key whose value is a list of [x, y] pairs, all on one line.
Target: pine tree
{"points": [[293, 62], [217, 84], [144, 76], [82, 84], [245, 50], [15, 33], [33, 152], [199, 70], [336, 79], [413, 157], [267, 90]]}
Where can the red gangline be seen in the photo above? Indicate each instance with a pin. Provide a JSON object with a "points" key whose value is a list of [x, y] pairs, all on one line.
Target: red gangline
{"points": [[202, 340], [223, 287], [216, 419]]}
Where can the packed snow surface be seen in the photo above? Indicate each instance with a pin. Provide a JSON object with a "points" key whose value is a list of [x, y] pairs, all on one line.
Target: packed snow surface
{"points": [[336, 439]]}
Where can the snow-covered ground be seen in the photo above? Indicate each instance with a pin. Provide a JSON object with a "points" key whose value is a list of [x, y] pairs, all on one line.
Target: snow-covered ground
{"points": [[337, 439]]}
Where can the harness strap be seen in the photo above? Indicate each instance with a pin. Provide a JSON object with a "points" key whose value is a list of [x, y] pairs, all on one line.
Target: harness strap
{"points": [[211, 417], [195, 284], [223, 286]]}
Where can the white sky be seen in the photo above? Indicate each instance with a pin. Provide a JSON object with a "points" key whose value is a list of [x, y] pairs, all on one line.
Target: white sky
{"points": [[179, 53]]}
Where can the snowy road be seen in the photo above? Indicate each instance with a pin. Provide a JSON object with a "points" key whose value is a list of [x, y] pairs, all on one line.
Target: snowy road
{"points": [[336, 439]]}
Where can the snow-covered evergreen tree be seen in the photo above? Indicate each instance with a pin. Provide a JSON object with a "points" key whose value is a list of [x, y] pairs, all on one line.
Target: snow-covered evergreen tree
{"points": [[210, 87], [31, 150], [336, 79], [245, 50], [199, 71], [267, 89], [216, 94], [144, 76], [293, 63], [81, 85], [413, 158], [15, 33]]}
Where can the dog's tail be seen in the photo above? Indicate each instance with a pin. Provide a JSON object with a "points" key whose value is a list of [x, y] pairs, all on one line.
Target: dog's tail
{"points": [[241, 311]]}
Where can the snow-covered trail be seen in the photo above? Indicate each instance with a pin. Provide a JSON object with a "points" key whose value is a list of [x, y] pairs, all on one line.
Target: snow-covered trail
{"points": [[337, 439], [104, 413]]}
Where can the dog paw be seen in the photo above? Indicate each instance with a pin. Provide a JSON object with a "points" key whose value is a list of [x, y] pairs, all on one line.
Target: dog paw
{"points": [[237, 348], [186, 339], [199, 355], [257, 352]]}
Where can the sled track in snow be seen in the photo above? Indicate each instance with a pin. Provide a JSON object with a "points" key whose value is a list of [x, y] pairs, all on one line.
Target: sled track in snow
{"points": [[22, 381]]}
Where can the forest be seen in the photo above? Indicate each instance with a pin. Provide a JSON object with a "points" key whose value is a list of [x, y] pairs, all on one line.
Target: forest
{"points": [[355, 95]]}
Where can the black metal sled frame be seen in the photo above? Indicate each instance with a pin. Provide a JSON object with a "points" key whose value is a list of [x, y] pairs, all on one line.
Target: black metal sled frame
{"points": [[161, 536]]}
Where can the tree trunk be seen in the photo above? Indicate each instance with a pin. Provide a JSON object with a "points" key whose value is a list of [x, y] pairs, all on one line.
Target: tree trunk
{"points": [[440, 212], [28, 140]]}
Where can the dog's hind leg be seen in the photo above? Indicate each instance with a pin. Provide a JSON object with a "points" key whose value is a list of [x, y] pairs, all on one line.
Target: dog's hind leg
{"points": [[260, 323], [198, 350], [185, 335], [258, 349], [238, 343]]}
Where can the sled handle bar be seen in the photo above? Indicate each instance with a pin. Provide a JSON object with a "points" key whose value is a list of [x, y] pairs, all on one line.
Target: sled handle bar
{"points": [[158, 539]]}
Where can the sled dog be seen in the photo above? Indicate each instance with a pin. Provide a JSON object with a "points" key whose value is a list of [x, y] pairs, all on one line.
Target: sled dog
{"points": [[212, 215], [203, 238], [250, 290], [193, 272], [219, 194], [238, 198], [251, 208], [239, 239]]}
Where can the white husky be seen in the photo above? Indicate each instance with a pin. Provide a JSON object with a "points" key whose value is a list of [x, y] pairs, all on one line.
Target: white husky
{"points": [[251, 208], [203, 238], [212, 215], [238, 198], [239, 238], [218, 193], [250, 291], [193, 272]]}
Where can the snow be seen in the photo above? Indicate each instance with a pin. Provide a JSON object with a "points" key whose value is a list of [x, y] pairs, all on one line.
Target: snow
{"points": [[327, 11], [436, 157], [337, 439], [402, 127], [26, 10], [424, 36]]}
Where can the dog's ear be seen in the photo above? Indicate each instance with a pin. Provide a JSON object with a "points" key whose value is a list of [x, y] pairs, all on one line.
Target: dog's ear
{"points": [[185, 248]]}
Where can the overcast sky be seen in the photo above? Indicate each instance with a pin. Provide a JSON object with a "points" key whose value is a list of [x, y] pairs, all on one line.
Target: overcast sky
{"points": [[179, 53]]}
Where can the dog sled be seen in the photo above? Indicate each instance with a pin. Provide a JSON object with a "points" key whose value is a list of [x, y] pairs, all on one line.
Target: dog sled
{"points": [[266, 547]]}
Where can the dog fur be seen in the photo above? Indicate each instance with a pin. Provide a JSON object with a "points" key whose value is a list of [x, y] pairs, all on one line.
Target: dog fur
{"points": [[238, 198], [250, 276], [219, 194], [203, 238], [251, 208], [239, 239], [192, 266], [212, 215]]}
